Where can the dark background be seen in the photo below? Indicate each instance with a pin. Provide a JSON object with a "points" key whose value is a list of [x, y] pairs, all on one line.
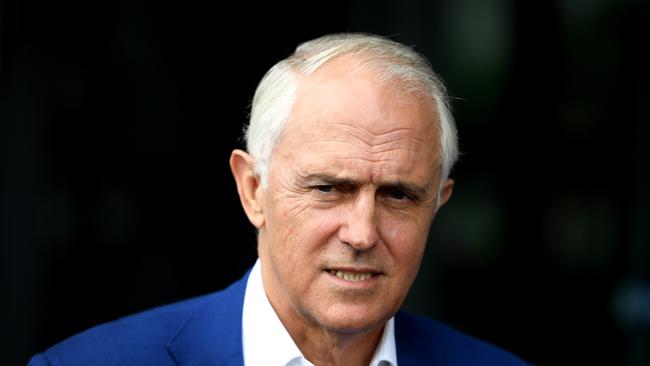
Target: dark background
{"points": [[117, 120]]}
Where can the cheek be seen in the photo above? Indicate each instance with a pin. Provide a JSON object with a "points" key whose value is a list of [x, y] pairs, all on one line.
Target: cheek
{"points": [[316, 229], [406, 238], [391, 233], [301, 229]]}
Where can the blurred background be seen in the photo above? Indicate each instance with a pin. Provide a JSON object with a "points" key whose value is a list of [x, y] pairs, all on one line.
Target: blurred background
{"points": [[117, 120]]}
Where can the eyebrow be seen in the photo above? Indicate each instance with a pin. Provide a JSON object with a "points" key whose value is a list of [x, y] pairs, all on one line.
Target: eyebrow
{"points": [[328, 179]]}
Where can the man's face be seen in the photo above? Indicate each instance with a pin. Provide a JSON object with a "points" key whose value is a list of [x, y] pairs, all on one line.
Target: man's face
{"points": [[352, 190]]}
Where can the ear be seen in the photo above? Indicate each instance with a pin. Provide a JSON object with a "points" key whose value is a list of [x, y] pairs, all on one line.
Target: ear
{"points": [[249, 186], [445, 193]]}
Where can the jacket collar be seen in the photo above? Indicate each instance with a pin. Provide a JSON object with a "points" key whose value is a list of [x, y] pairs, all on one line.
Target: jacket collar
{"points": [[211, 335], [417, 343]]}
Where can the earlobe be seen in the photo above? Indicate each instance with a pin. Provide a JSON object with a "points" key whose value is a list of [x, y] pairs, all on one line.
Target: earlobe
{"points": [[445, 192], [249, 186]]}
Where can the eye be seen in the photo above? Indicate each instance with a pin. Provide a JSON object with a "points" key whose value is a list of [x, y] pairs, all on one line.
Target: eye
{"points": [[398, 195], [324, 188], [401, 195]]}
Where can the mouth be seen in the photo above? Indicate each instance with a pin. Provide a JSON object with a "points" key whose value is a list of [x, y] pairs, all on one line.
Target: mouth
{"points": [[354, 275]]}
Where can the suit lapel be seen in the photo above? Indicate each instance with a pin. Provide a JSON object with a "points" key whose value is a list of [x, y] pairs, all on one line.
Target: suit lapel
{"points": [[415, 345], [212, 335]]}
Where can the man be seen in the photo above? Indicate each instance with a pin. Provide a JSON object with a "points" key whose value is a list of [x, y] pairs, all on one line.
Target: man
{"points": [[350, 145]]}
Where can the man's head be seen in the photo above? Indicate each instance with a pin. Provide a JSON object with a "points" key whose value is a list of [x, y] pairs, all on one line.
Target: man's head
{"points": [[276, 93], [350, 143]]}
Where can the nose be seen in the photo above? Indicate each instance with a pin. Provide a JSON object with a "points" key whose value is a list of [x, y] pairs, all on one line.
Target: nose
{"points": [[359, 229]]}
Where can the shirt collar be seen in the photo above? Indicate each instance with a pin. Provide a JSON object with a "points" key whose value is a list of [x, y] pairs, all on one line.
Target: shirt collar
{"points": [[266, 341], [386, 353]]}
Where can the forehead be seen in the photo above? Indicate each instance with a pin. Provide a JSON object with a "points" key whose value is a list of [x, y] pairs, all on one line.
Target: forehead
{"points": [[346, 119], [344, 85]]}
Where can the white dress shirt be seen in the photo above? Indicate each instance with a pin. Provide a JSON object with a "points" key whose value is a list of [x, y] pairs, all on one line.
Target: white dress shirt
{"points": [[266, 342]]}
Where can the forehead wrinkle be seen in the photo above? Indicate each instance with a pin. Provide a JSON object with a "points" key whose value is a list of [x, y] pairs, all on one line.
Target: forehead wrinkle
{"points": [[369, 131], [370, 150], [384, 137], [391, 144], [371, 169]]}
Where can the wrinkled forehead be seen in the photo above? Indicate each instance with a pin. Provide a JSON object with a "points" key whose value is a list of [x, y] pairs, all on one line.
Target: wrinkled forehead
{"points": [[349, 115]]}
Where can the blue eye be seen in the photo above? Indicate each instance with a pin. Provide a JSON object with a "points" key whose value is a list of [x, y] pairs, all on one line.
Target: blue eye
{"points": [[398, 195], [324, 188]]}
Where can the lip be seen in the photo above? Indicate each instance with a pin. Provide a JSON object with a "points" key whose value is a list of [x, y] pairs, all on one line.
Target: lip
{"points": [[359, 284], [354, 270]]}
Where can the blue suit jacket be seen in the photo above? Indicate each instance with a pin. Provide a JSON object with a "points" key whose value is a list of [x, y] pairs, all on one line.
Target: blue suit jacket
{"points": [[207, 331]]}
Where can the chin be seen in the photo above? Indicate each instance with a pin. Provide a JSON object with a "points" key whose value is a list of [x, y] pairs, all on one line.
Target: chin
{"points": [[350, 321]]}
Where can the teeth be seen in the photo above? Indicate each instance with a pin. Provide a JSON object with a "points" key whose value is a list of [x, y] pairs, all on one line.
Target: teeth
{"points": [[352, 276]]}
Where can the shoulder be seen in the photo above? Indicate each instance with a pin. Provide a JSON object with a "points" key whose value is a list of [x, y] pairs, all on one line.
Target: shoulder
{"points": [[420, 338], [139, 339]]}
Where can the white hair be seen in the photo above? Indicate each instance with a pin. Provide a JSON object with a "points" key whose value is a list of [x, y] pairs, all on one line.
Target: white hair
{"points": [[276, 92]]}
